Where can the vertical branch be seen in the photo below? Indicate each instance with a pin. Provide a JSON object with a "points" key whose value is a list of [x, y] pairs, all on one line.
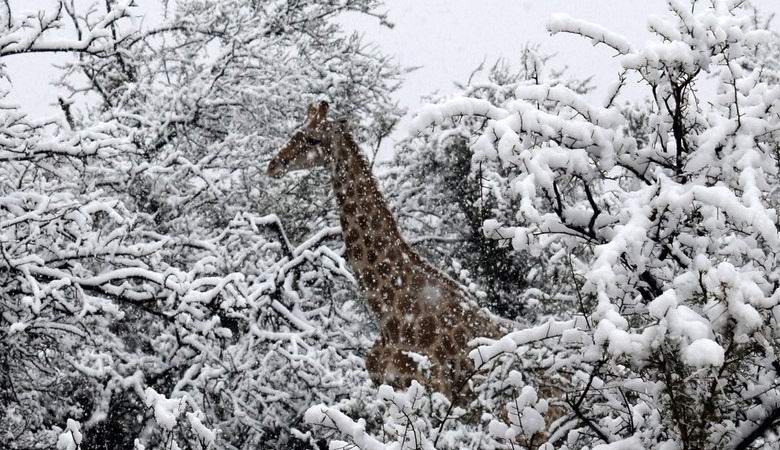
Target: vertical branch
{"points": [[8, 21]]}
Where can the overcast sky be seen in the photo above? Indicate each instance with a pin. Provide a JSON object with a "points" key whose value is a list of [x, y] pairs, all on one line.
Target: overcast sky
{"points": [[447, 39]]}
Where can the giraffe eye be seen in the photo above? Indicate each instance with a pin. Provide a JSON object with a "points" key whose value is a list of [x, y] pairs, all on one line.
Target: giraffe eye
{"points": [[312, 141]]}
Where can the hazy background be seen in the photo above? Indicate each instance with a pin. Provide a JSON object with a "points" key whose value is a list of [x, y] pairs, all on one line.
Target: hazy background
{"points": [[445, 39]]}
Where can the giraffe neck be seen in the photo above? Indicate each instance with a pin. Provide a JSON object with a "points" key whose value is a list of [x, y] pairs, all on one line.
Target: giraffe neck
{"points": [[375, 248]]}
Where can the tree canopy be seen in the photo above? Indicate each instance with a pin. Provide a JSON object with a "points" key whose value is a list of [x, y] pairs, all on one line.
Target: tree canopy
{"points": [[159, 291]]}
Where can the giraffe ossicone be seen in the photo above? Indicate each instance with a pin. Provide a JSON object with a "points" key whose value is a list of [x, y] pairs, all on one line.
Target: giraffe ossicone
{"points": [[419, 309]]}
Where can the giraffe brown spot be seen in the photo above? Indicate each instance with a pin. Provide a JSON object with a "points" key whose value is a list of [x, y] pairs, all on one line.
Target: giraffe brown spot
{"points": [[406, 305], [451, 371], [440, 352], [458, 315], [426, 331], [374, 303], [416, 260], [355, 169], [376, 221], [387, 294], [436, 369], [370, 282], [410, 276], [356, 251], [413, 308], [390, 230], [407, 332], [352, 235], [349, 207], [376, 239], [394, 255], [447, 316], [401, 381], [385, 268], [464, 364], [460, 336], [375, 364], [371, 257], [446, 342], [392, 266], [362, 220]]}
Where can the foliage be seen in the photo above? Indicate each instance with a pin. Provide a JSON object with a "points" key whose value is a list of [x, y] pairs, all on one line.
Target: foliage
{"points": [[663, 213], [151, 297], [445, 214], [208, 95]]}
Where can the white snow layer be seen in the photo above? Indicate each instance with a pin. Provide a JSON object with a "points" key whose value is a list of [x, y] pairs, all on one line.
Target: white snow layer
{"points": [[704, 352], [70, 439]]}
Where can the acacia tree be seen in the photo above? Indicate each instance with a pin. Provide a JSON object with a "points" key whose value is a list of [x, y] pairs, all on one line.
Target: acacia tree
{"points": [[151, 295], [210, 92], [668, 208]]}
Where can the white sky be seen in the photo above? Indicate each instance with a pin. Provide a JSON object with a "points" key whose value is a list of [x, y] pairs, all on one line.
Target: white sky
{"points": [[446, 38]]}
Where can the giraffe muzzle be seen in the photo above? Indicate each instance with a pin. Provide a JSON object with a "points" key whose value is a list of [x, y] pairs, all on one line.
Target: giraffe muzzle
{"points": [[276, 169]]}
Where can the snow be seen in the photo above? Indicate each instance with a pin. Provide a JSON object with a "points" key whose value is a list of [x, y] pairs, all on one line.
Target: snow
{"points": [[431, 294], [356, 431], [516, 339], [631, 443], [166, 411], [704, 352], [531, 421], [563, 23], [422, 361], [603, 117], [620, 342], [205, 435], [527, 397], [129, 250], [436, 114], [17, 327], [662, 304], [71, 438]]}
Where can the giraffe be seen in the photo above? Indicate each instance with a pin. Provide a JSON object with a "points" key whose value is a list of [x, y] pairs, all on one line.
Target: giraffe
{"points": [[417, 307]]}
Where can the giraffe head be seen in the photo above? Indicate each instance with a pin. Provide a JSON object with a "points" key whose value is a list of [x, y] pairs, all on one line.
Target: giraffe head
{"points": [[309, 147]]}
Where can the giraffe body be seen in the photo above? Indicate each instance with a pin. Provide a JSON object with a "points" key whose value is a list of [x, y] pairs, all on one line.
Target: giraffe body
{"points": [[418, 308]]}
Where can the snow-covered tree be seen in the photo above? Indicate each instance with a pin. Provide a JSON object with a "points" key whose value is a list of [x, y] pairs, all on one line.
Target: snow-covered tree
{"points": [[663, 215], [446, 212], [152, 297], [207, 95]]}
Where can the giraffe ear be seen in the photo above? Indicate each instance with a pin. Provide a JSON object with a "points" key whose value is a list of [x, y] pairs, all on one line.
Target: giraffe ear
{"points": [[317, 113]]}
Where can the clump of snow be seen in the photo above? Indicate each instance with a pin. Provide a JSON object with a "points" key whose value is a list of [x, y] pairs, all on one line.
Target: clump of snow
{"points": [[422, 361], [704, 352], [662, 304], [356, 430], [206, 435], [531, 421], [631, 443], [17, 327], [166, 411], [70, 439], [436, 114], [563, 23]]}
